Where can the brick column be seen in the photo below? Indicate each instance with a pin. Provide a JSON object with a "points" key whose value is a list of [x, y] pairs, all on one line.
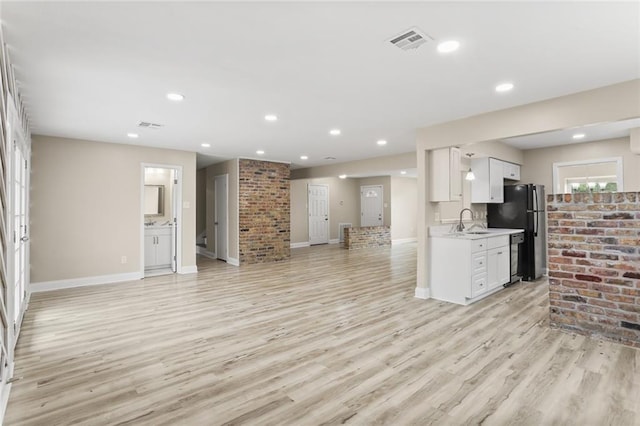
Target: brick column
{"points": [[264, 210], [594, 264]]}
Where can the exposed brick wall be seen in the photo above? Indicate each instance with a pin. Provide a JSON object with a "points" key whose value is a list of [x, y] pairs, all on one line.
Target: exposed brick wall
{"points": [[265, 206], [594, 264], [367, 236]]}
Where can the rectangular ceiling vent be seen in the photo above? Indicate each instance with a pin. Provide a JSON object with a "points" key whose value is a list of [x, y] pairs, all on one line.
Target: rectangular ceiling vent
{"points": [[410, 39], [148, 125]]}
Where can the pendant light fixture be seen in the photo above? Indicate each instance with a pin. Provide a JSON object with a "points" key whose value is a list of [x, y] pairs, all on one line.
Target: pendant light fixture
{"points": [[470, 175]]}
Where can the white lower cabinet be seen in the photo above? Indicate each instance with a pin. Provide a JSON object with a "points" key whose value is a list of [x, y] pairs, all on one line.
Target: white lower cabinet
{"points": [[498, 264], [157, 247], [466, 270]]}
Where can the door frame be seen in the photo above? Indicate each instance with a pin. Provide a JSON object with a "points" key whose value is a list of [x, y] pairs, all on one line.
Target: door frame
{"points": [[362, 188], [177, 204], [225, 177], [309, 185], [14, 132]]}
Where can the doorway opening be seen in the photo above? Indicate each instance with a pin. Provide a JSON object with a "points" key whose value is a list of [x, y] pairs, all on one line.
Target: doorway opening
{"points": [[161, 219], [221, 216]]}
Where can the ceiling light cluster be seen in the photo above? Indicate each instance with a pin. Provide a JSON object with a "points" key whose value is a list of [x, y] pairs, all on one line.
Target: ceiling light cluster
{"points": [[175, 97], [504, 87], [449, 46]]}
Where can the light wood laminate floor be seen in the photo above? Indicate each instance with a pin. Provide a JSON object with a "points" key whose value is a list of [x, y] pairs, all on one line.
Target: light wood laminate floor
{"points": [[328, 337]]}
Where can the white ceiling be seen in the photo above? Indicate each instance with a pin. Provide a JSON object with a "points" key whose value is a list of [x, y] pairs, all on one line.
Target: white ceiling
{"points": [[93, 70], [594, 132]]}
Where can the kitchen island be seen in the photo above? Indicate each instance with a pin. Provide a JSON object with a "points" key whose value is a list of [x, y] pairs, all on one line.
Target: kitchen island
{"points": [[469, 266]]}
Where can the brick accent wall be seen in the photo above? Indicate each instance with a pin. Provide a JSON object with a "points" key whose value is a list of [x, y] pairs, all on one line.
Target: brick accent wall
{"points": [[265, 207], [594, 264], [367, 236]]}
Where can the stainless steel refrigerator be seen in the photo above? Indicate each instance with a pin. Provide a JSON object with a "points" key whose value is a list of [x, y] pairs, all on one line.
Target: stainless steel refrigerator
{"points": [[523, 208]]}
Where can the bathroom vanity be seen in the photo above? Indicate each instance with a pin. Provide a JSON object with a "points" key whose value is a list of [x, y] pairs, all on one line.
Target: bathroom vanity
{"points": [[158, 246]]}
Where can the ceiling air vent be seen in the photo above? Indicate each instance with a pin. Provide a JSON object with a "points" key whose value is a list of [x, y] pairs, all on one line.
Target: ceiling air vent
{"points": [[410, 39], [329, 158], [148, 125]]}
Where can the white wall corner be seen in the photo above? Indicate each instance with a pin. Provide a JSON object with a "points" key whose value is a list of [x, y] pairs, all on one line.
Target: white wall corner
{"points": [[85, 281], [422, 293], [191, 269], [634, 140], [334, 241], [233, 261], [299, 245]]}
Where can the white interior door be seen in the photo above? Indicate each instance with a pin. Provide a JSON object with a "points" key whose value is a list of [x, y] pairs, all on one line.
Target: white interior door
{"points": [[220, 216], [174, 218], [371, 203], [318, 214], [21, 237]]}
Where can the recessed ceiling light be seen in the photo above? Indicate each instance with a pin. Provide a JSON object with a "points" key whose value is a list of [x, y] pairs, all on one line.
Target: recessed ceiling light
{"points": [[381, 142], [132, 135], [334, 132], [271, 117], [579, 136], [205, 145], [342, 176], [304, 157], [260, 152], [448, 46], [403, 172], [504, 87], [175, 97]]}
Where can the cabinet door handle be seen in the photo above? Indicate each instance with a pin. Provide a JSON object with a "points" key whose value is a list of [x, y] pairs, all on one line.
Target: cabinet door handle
{"points": [[499, 252]]}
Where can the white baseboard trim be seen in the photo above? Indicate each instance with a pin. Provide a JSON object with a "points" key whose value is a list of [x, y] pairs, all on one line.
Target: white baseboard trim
{"points": [[208, 254], [191, 269], [85, 281], [233, 261], [422, 293], [299, 245], [403, 240], [335, 241]]}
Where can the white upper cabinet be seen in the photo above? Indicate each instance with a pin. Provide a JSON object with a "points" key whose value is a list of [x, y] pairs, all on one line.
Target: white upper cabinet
{"points": [[445, 178], [510, 171], [488, 184]]}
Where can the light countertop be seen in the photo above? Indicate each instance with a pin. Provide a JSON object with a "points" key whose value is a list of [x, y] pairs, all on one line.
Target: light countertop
{"points": [[477, 233]]}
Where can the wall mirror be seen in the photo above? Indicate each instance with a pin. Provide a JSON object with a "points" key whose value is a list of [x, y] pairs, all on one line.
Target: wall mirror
{"points": [[154, 200], [589, 176]]}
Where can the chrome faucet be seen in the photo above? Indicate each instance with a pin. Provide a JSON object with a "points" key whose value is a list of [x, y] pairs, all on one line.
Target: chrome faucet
{"points": [[460, 226]]}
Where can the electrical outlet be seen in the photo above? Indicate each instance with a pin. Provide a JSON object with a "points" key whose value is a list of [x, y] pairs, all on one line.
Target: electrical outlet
{"points": [[123, 259]]}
